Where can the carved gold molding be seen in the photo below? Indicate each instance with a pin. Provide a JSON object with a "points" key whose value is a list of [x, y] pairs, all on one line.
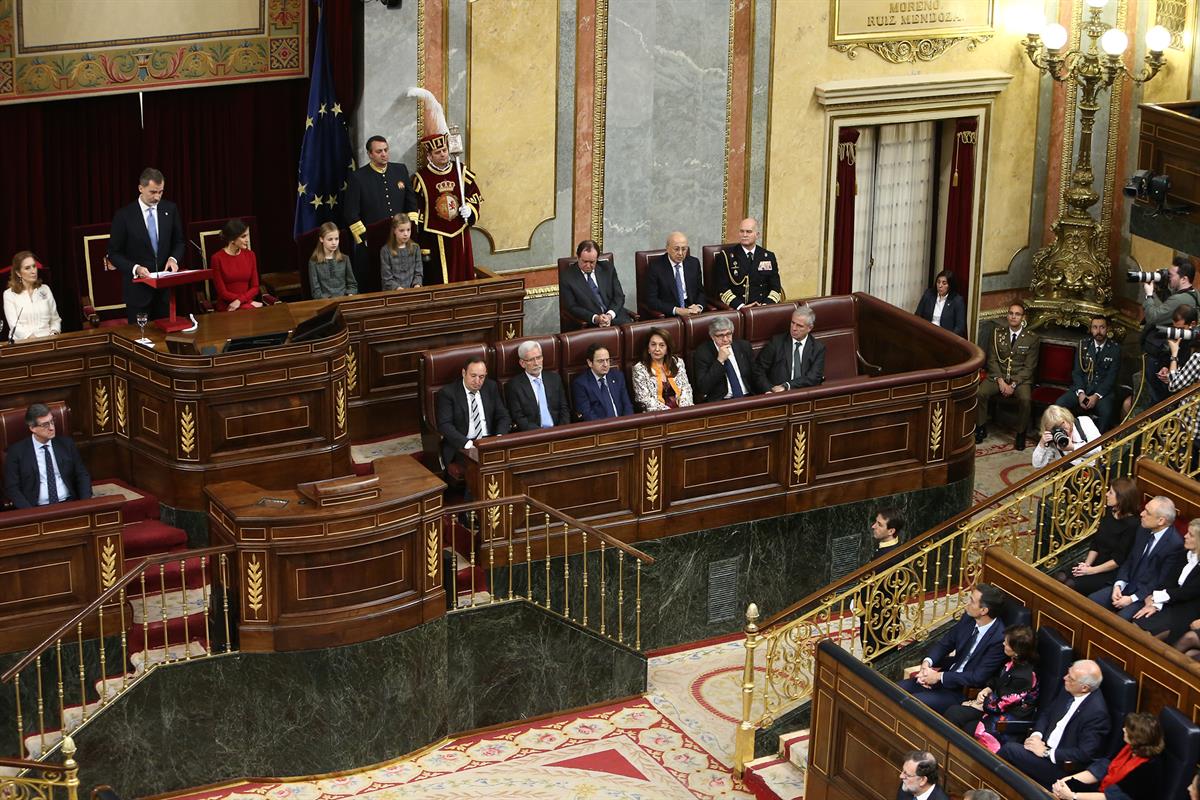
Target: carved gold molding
{"points": [[936, 429], [351, 369], [799, 454], [122, 409], [1116, 95], [254, 585], [599, 104], [187, 431], [339, 408], [542, 291], [108, 563], [906, 51], [433, 553], [100, 407], [493, 512], [729, 49], [652, 480]]}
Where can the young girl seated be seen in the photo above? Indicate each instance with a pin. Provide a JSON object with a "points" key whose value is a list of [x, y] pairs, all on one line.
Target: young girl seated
{"points": [[400, 264], [329, 272]]}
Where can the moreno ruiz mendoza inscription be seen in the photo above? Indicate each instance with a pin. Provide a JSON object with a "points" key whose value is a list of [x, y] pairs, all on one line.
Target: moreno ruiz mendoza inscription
{"points": [[908, 30]]}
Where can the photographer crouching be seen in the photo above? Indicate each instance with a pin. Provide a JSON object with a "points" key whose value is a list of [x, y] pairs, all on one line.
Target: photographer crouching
{"points": [[1178, 278], [1062, 433]]}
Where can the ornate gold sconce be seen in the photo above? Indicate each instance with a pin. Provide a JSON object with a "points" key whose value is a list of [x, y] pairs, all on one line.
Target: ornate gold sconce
{"points": [[1072, 277]]}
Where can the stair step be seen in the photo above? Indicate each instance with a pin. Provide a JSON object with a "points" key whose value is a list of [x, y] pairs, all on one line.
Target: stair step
{"points": [[178, 603], [145, 538], [774, 778], [158, 655], [794, 747], [168, 578], [175, 630], [73, 716]]}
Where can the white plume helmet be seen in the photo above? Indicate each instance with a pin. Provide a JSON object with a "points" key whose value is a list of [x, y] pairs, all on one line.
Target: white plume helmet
{"points": [[435, 117]]}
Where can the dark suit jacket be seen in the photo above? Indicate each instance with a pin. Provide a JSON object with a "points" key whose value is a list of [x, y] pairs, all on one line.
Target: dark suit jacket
{"points": [[661, 294], [453, 415], [21, 477], [938, 794], [522, 402], [370, 196], [1085, 736], [129, 244], [580, 301], [1103, 364], [950, 649], [709, 378], [1145, 574], [591, 404], [773, 367], [954, 314]]}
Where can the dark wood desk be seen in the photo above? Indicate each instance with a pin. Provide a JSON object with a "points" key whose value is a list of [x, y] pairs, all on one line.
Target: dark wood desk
{"points": [[365, 564]]}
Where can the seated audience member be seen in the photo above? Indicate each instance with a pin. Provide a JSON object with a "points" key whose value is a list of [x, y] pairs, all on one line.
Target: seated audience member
{"points": [[746, 275], [969, 654], [536, 398], [885, 533], [886, 529], [591, 290], [660, 380], [919, 778], [1011, 694], [329, 270], [235, 269], [1094, 376], [1154, 554], [791, 360], [400, 262], [1011, 364], [45, 468], [674, 281], [468, 410], [1075, 433], [980, 794], [1167, 611], [600, 392], [943, 306], [1071, 730], [29, 304], [1134, 773], [1109, 545], [724, 366]]}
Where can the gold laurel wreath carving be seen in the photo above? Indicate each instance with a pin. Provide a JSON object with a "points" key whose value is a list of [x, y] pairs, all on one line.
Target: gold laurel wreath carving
{"points": [[339, 408], [100, 405], [108, 563], [254, 585], [121, 413], [493, 512], [906, 51], [652, 477], [187, 431], [510, 332], [935, 430], [799, 451], [431, 551], [351, 369]]}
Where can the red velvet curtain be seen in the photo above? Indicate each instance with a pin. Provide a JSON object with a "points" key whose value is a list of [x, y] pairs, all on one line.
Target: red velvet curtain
{"points": [[229, 149], [960, 204], [843, 213]]}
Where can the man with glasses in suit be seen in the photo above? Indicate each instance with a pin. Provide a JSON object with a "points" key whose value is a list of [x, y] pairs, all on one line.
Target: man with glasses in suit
{"points": [[45, 468]]}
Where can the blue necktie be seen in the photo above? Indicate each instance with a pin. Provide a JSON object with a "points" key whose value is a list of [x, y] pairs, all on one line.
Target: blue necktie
{"points": [[51, 478], [608, 395], [152, 227], [543, 406], [971, 645], [679, 290], [735, 386], [591, 282]]}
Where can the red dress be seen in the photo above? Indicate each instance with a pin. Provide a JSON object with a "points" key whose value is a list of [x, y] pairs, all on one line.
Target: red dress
{"points": [[235, 277]]}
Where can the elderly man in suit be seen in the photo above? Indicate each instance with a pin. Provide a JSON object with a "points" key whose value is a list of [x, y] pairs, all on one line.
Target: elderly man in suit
{"points": [[723, 367], [919, 778], [791, 360], [968, 655], [1156, 554], [1071, 730], [591, 290], [674, 282], [600, 392], [45, 468], [746, 275], [467, 410], [536, 398], [146, 236], [1012, 363]]}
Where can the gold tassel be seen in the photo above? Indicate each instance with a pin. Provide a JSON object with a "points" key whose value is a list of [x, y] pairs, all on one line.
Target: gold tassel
{"points": [[954, 180]]}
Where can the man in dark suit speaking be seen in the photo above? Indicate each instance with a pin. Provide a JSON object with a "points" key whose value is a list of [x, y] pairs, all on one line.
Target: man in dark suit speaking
{"points": [[536, 398], [146, 236], [674, 283], [791, 360], [45, 468], [468, 410], [723, 366], [592, 291]]}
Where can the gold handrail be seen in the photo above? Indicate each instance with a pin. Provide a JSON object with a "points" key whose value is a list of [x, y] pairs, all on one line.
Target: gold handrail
{"points": [[53, 776], [920, 586]]}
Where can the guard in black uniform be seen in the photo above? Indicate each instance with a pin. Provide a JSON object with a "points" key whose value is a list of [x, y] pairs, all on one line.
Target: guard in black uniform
{"points": [[1094, 377], [378, 190], [746, 274]]}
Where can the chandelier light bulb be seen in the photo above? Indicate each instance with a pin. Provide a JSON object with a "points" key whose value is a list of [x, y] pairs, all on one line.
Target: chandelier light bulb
{"points": [[1054, 36], [1158, 39], [1114, 42]]}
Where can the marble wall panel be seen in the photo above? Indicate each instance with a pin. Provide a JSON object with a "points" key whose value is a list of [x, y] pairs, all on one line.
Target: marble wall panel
{"points": [[389, 68], [665, 125], [757, 145]]}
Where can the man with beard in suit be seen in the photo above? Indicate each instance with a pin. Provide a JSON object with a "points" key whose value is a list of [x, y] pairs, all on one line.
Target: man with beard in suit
{"points": [[146, 236], [536, 398], [723, 366], [791, 360], [919, 778]]}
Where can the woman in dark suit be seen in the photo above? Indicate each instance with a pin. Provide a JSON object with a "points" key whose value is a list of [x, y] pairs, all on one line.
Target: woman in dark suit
{"points": [[1169, 609], [1134, 773], [943, 306], [1012, 694], [1109, 546]]}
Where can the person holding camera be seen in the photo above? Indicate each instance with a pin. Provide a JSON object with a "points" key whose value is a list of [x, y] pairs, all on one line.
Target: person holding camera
{"points": [[1179, 277], [1180, 377], [1062, 433]]}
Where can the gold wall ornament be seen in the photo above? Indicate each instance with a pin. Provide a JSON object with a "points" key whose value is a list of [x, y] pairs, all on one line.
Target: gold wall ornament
{"points": [[510, 332], [100, 405], [122, 412], [652, 479], [108, 563], [433, 553], [599, 117], [910, 51], [493, 512], [351, 369], [936, 429], [909, 31], [339, 408], [1172, 15], [799, 453], [187, 431], [254, 585]]}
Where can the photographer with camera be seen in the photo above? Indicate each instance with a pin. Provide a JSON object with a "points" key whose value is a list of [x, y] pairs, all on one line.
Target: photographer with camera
{"points": [[1179, 277], [1062, 433], [1179, 376]]}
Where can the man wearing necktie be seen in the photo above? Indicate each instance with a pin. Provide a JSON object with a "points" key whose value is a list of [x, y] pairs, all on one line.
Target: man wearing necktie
{"points": [[536, 398], [1157, 552], [674, 281], [968, 655], [46, 468], [600, 391], [590, 289], [793, 359], [146, 236], [1011, 365], [467, 410], [723, 366], [746, 275], [1094, 376]]}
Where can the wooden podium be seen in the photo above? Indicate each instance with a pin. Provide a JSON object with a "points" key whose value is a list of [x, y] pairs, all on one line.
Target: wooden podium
{"points": [[171, 281]]}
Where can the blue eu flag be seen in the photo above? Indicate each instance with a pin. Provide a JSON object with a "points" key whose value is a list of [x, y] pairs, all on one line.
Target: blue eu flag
{"points": [[325, 156]]}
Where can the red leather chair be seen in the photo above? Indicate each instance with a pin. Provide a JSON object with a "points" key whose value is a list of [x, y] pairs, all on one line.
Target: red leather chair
{"points": [[438, 368], [708, 257], [1055, 362], [567, 321], [508, 365], [695, 328], [836, 330], [573, 346], [641, 263], [763, 322], [13, 429], [635, 335]]}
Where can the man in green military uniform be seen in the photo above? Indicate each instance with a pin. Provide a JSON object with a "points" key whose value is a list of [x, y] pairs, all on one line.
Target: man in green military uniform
{"points": [[747, 275], [1011, 365]]}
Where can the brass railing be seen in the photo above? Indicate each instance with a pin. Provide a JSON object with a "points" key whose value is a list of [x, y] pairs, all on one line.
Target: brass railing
{"points": [[34, 780], [517, 548], [89, 661], [905, 595]]}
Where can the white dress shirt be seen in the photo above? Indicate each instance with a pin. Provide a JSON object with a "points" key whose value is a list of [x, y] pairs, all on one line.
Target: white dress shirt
{"points": [[1162, 596]]}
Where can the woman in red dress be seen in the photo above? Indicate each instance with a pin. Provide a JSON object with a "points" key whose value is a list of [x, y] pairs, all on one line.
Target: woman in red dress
{"points": [[235, 269]]}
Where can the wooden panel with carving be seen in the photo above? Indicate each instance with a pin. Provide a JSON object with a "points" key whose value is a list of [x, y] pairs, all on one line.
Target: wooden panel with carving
{"points": [[245, 423], [377, 572]]}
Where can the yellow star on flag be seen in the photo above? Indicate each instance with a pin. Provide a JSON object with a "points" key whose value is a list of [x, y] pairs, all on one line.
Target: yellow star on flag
{"points": [[331, 201], [308, 123], [316, 201], [301, 188], [321, 110], [337, 109]]}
